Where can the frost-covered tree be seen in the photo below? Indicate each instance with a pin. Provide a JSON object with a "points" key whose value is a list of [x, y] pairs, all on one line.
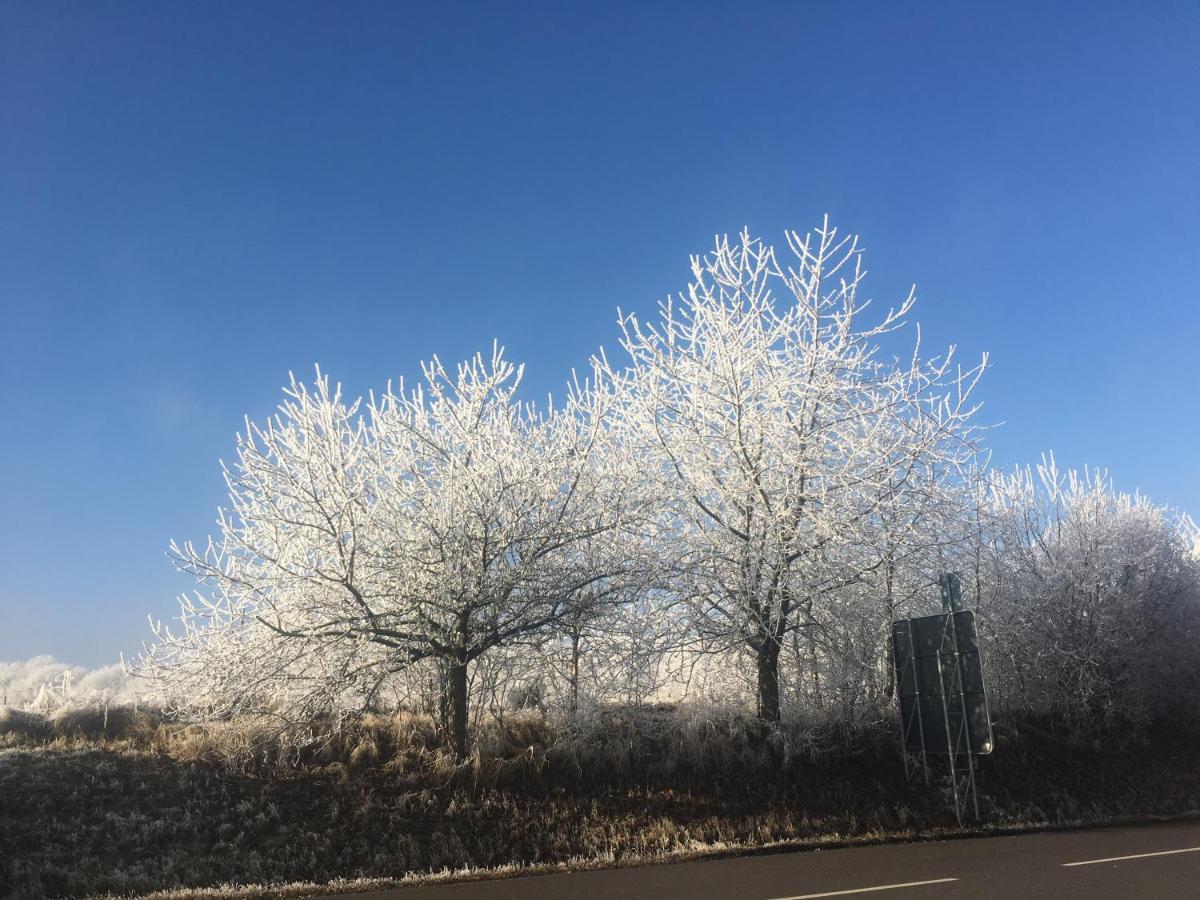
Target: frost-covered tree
{"points": [[443, 522], [779, 439], [1093, 610]]}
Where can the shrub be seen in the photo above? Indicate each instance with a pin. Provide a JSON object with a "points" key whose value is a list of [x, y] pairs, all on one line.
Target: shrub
{"points": [[22, 724], [97, 722]]}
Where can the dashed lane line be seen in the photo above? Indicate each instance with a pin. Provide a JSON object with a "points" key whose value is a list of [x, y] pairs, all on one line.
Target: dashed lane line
{"points": [[1092, 862], [864, 890]]}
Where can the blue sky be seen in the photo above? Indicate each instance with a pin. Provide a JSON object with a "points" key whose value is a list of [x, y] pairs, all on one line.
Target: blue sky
{"points": [[197, 198]]}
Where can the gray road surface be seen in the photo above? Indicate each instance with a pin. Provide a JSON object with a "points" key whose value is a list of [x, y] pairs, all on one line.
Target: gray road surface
{"points": [[1161, 862]]}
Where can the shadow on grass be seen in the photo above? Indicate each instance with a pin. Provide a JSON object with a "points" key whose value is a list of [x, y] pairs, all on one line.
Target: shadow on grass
{"points": [[129, 821]]}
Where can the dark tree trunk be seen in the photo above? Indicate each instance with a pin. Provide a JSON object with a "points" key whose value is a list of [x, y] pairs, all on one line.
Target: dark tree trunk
{"points": [[439, 696], [889, 659], [574, 698], [768, 681], [458, 708]]}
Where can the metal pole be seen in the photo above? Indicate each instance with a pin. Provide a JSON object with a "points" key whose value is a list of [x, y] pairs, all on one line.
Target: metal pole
{"points": [[949, 746], [904, 723], [912, 661], [963, 729]]}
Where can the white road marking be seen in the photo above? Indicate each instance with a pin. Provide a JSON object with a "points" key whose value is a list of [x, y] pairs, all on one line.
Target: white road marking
{"points": [[864, 890], [1092, 862]]}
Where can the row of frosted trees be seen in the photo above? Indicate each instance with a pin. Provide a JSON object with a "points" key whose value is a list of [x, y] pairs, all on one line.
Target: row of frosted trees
{"points": [[735, 510]]}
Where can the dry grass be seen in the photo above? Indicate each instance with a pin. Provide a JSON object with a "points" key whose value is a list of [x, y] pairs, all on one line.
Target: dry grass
{"points": [[615, 747], [152, 806], [17, 725]]}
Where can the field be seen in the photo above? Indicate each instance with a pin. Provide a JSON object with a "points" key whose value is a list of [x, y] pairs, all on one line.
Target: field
{"points": [[147, 806]]}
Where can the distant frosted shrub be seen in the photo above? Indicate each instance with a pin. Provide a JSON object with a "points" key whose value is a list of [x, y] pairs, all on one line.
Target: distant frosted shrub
{"points": [[21, 682], [43, 684], [106, 683]]}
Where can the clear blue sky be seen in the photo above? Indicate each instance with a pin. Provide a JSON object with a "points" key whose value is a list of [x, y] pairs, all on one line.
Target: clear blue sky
{"points": [[196, 198]]}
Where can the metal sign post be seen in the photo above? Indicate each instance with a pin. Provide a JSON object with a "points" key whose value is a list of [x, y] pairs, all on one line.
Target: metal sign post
{"points": [[951, 586], [943, 703], [910, 717]]}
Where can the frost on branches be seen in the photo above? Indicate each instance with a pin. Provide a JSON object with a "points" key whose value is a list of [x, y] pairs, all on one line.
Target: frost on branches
{"points": [[791, 459], [1092, 599], [736, 510], [433, 525]]}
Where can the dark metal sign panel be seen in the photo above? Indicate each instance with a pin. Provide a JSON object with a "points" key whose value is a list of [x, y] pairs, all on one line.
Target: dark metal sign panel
{"points": [[943, 705]]}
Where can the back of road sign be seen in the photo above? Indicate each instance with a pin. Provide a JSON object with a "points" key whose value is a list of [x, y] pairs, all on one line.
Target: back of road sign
{"points": [[943, 705]]}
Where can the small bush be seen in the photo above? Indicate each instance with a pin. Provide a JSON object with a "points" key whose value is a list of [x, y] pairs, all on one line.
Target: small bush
{"points": [[22, 724], [99, 722]]}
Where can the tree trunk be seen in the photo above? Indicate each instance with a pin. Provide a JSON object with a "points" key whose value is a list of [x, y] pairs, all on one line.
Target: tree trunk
{"points": [[574, 698], [814, 664], [458, 708], [889, 659], [768, 681]]}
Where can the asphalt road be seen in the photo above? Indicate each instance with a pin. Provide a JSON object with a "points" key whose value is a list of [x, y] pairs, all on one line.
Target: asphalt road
{"points": [[1142, 863]]}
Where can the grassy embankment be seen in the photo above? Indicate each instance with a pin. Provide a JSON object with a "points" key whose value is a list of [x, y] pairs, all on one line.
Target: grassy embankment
{"points": [[142, 806]]}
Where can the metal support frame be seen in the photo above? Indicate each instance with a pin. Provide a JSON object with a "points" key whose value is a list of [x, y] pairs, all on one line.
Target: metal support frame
{"points": [[958, 740], [958, 744], [906, 725]]}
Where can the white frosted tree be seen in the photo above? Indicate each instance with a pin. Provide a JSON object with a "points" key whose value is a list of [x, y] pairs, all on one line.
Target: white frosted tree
{"points": [[777, 438], [443, 522], [508, 523], [1094, 606]]}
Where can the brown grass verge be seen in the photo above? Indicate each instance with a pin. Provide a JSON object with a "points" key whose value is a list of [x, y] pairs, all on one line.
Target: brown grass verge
{"points": [[184, 809]]}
